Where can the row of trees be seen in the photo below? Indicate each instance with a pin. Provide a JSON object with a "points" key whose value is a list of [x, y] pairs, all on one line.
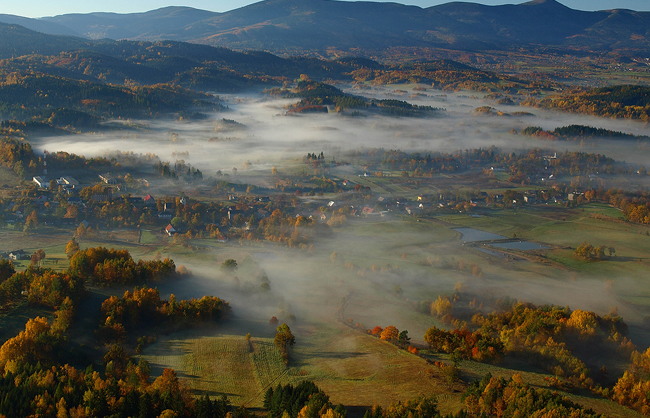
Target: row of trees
{"points": [[104, 266], [305, 400], [488, 397], [143, 308], [576, 132], [590, 252], [464, 344]]}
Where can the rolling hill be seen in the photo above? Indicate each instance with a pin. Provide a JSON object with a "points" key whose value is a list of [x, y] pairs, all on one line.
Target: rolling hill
{"points": [[288, 26]]}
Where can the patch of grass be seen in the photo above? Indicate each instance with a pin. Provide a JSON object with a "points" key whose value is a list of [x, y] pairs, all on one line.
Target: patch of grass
{"points": [[148, 237]]}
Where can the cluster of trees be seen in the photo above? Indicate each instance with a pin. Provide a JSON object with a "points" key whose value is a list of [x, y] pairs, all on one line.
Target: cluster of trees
{"points": [[106, 267], [464, 344], [289, 230], [392, 335], [18, 156], [520, 165], [590, 252], [633, 387], [178, 170], [144, 308], [314, 157], [33, 382], [512, 398], [443, 74], [635, 206], [31, 389], [34, 95], [39, 286], [625, 101], [557, 338], [284, 341], [40, 342], [305, 400], [576, 132]]}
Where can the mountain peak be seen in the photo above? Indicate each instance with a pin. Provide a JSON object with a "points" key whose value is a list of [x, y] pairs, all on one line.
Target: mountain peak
{"points": [[545, 3]]}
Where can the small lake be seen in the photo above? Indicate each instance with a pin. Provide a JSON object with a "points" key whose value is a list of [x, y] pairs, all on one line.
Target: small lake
{"points": [[473, 235], [520, 245]]}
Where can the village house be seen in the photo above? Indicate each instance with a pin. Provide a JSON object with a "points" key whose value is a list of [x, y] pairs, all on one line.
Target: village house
{"points": [[19, 255], [103, 197], [149, 201], [41, 182], [367, 210], [68, 181], [75, 200], [108, 179]]}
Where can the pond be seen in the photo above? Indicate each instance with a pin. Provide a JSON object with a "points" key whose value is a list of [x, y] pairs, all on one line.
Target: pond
{"points": [[473, 235]]}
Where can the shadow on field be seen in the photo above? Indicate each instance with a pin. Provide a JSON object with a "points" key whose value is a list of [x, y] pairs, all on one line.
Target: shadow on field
{"points": [[214, 393], [337, 354], [157, 370], [356, 411], [624, 259]]}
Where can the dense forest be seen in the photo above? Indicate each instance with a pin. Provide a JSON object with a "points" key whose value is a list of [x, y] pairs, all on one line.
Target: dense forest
{"points": [[577, 132], [627, 101]]}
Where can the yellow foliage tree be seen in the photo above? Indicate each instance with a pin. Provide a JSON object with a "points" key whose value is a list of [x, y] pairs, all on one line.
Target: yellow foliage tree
{"points": [[441, 306]]}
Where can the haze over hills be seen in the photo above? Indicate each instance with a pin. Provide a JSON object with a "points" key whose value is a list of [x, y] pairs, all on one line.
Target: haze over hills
{"points": [[39, 25], [286, 26]]}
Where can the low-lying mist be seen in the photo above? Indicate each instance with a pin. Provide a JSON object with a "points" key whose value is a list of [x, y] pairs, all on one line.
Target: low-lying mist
{"points": [[308, 285], [270, 137]]}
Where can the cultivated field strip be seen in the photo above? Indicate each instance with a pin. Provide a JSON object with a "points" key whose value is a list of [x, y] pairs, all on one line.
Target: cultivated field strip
{"points": [[223, 365]]}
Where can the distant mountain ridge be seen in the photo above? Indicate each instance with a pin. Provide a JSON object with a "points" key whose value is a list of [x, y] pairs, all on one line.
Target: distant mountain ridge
{"points": [[39, 25], [287, 26]]}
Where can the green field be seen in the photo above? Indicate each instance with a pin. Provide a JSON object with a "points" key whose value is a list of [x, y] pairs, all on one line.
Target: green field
{"points": [[352, 368]]}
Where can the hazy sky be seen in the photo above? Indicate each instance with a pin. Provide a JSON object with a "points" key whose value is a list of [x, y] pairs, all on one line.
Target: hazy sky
{"points": [[39, 8]]}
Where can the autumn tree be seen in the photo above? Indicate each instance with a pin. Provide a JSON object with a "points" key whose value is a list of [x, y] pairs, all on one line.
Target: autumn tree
{"points": [[6, 269], [284, 340], [390, 334], [71, 248], [229, 265], [31, 222], [37, 257], [441, 306]]}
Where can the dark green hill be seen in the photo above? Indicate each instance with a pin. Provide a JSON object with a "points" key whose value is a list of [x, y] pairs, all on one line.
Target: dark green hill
{"points": [[18, 40]]}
